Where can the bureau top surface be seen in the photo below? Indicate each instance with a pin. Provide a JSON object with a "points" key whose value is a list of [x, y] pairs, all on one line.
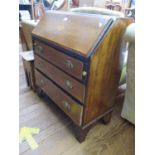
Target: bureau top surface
{"points": [[77, 32]]}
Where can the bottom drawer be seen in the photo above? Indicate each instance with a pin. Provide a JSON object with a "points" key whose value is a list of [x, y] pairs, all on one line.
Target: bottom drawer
{"points": [[67, 104]]}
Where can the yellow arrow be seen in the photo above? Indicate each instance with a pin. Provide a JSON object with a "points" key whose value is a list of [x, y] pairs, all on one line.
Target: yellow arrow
{"points": [[26, 134]]}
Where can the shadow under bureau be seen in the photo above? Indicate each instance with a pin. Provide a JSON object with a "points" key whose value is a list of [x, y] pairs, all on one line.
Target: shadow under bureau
{"points": [[77, 64]]}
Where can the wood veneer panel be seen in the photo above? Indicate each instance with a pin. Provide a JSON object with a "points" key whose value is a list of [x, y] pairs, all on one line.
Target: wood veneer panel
{"points": [[105, 69], [73, 31]]}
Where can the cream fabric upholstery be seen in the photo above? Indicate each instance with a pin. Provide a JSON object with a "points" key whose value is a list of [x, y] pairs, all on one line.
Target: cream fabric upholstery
{"points": [[28, 26], [95, 10], [128, 111]]}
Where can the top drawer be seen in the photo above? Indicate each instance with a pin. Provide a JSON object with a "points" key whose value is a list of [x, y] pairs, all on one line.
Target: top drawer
{"points": [[65, 62]]}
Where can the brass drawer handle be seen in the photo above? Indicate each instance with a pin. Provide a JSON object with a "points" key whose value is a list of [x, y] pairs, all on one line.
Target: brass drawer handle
{"points": [[84, 73], [69, 84], [68, 64], [38, 48], [42, 83], [40, 65], [66, 105]]}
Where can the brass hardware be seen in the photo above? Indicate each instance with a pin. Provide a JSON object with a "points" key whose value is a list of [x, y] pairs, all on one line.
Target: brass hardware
{"points": [[84, 73], [66, 105], [40, 65], [68, 64], [69, 84], [42, 83], [39, 48]]}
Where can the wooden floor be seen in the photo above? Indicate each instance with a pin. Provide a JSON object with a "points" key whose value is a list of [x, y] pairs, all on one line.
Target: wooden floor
{"points": [[56, 134]]}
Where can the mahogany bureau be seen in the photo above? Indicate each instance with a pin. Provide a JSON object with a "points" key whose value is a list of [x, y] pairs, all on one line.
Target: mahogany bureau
{"points": [[77, 64]]}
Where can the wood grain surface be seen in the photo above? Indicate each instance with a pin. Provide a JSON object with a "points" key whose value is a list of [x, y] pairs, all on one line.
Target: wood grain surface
{"points": [[105, 70], [71, 30]]}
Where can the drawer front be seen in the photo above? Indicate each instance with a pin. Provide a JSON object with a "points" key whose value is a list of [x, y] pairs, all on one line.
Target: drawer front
{"points": [[65, 62], [72, 86], [68, 105]]}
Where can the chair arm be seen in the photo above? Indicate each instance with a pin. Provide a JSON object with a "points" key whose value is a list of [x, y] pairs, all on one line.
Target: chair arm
{"points": [[95, 10], [129, 34]]}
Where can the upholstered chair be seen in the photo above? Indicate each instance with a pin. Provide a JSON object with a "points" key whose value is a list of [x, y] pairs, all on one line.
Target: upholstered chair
{"points": [[128, 111], [96, 10]]}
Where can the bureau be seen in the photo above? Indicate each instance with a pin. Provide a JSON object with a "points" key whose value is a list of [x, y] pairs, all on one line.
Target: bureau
{"points": [[78, 65]]}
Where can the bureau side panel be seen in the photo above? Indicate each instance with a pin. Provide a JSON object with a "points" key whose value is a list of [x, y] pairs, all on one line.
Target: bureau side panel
{"points": [[105, 70]]}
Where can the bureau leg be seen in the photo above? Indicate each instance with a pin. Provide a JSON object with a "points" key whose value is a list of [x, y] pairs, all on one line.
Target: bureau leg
{"points": [[80, 133], [106, 119]]}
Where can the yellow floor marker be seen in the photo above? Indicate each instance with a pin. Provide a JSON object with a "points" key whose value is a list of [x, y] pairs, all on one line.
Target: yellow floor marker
{"points": [[26, 134]]}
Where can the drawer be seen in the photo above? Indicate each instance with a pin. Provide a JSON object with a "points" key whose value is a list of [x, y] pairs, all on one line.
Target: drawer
{"points": [[65, 62], [67, 104], [69, 84]]}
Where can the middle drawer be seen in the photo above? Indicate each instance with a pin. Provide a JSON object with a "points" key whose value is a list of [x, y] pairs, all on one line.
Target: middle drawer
{"points": [[72, 86]]}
